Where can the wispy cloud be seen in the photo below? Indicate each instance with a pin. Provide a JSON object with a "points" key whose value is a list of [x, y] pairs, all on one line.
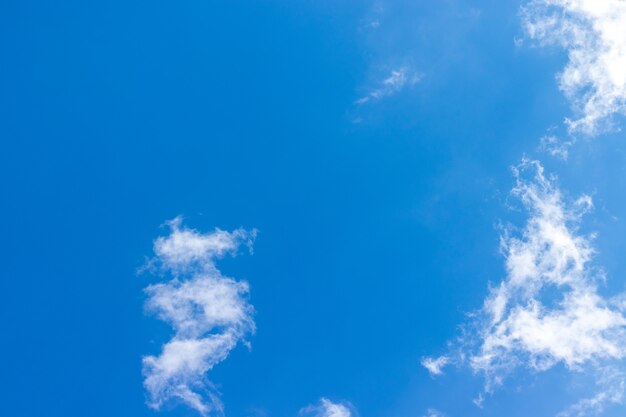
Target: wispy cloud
{"points": [[611, 384], [548, 310], [519, 322], [556, 146], [592, 32], [396, 81], [209, 313], [435, 365], [327, 408], [431, 412]]}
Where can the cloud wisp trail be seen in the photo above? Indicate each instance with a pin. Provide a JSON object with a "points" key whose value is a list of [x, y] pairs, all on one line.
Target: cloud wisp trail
{"points": [[395, 82]]}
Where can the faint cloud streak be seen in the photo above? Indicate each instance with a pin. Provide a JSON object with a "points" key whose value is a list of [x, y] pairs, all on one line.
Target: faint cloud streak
{"points": [[398, 80], [327, 408]]}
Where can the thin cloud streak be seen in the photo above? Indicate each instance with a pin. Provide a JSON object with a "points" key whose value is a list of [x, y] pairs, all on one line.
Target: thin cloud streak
{"points": [[398, 80]]}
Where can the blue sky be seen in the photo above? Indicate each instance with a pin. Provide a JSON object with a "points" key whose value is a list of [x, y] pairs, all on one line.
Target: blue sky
{"points": [[365, 152]]}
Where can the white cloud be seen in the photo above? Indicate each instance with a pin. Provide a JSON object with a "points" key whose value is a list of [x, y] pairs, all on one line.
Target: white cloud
{"points": [[431, 412], [592, 32], [209, 313], [435, 365], [374, 24], [581, 325], [548, 310], [327, 408], [555, 146], [397, 80], [612, 385], [186, 249]]}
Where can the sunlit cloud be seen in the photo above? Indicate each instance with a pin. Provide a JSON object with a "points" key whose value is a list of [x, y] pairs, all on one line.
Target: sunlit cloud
{"points": [[548, 310], [209, 313], [592, 32], [327, 408], [435, 365]]}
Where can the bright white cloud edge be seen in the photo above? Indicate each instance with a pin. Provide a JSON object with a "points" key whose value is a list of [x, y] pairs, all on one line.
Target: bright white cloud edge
{"points": [[397, 80], [523, 324], [435, 365], [328, 408], [209, 313], [592, 32]]}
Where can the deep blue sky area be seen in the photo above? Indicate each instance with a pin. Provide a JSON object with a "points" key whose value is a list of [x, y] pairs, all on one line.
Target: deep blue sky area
{"points": [[378, 223]]}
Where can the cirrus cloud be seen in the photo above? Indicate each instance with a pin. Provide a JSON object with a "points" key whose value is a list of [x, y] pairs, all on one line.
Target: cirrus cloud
{"points": [[395, 82]]}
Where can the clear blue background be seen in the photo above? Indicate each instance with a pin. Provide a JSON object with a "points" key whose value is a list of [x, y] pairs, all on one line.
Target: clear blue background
{"points": [[375, 237]]}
